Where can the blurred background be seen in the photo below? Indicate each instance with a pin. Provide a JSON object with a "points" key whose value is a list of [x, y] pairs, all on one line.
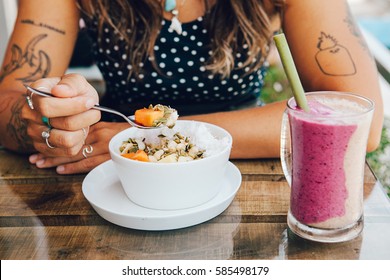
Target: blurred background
{"points": [[372, 15]]}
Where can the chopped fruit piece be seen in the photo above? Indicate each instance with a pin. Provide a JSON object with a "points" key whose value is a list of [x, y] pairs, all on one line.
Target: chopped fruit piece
{"points": [[139, 155], [148, 117], [156, 116]]}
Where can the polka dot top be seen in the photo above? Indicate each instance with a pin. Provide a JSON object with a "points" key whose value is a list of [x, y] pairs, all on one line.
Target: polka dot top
{"points": [[183, 83]]}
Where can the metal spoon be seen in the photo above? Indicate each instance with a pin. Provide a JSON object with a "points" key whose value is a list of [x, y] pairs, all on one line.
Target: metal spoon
{"points": [[129, 119]]}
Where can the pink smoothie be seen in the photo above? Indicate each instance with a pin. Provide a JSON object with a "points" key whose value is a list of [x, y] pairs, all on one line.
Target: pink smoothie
{"points": [[319, 189]]}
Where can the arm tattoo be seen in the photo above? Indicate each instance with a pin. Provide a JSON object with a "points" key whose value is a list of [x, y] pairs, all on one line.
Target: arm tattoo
{"points": [[17, 127], [329, 51], [354, 29], [37, 61], [43, 25]]}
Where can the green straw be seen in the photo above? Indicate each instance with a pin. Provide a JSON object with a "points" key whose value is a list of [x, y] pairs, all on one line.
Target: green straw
{"points": [[291, 71]]}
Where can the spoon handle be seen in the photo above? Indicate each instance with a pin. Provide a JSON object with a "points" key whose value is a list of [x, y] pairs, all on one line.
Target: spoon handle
{"points": [[96, 106], [38, 92], [109, 110]]}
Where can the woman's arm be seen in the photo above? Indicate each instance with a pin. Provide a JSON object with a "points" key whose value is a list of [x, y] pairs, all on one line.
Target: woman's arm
{"points": [[331, 54], [255, 131], [310, 26], [40, 46]]}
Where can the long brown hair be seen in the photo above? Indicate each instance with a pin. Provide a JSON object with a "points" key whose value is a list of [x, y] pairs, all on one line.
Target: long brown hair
{"points": [[231, 24]]}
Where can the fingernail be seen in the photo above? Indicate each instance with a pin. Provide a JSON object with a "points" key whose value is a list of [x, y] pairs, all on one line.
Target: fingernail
{"points": [[40, 163], [90, 103], [44, 89], [33, 158], [60, 169], [63, 87]]}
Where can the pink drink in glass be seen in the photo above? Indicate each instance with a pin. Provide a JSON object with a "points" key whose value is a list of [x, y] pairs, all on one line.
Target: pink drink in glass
{"points": [[328, 148]]}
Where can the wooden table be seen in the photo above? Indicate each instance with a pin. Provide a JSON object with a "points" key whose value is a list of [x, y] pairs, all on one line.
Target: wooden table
{"points": [[46, 216]]}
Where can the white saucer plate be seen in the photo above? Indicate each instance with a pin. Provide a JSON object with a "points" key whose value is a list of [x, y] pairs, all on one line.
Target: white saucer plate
{"points": [[102, 188]]}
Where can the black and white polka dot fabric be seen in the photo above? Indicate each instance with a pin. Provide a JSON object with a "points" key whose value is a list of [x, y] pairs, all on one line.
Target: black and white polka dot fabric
{"points": [[183, 82]]}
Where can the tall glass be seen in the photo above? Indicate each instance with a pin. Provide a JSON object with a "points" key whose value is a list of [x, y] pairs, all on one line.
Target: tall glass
{"points": [[323, 157]]}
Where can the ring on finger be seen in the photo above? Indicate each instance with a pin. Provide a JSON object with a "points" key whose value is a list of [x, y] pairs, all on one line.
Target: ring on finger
{"points": [[29, 100], [46, 136], [87, 150], [46, 121]]}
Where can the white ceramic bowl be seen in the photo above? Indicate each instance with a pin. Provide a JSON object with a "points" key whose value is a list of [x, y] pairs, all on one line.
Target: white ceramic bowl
{"points": [[169, 186]]}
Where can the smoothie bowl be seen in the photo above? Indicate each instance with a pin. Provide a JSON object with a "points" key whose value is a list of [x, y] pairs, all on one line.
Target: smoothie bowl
{"points": [[170, 169]]}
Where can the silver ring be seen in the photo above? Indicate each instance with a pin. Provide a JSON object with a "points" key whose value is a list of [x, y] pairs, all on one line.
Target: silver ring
{"points": [[30, 101], [46, 135], [87, 150]]}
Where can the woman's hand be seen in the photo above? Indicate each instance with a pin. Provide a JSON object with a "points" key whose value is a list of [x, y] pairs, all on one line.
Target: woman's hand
{"points": [[98, 137], [68, 115]]}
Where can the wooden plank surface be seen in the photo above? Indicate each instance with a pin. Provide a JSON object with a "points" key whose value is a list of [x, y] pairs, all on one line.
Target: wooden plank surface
{"points": [[45, 216]]}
